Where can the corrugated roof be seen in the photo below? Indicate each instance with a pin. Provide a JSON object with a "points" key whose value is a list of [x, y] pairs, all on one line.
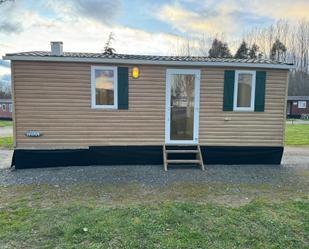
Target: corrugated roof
{"points": [[134, 59], [298, 97], [147, 57]]}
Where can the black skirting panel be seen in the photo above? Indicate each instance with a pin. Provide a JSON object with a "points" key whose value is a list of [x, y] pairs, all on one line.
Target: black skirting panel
{"points": [[103, 155], [241, 155], [140, 155]]}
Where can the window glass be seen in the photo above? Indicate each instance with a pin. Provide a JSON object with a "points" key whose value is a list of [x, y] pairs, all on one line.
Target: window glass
{"points": [[302, 104], [10, 107], [104, 86], [4, 107], [244, 90]]}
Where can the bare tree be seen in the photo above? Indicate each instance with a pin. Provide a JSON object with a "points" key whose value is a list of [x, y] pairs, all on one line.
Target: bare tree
{"points": [[303, 45], [185, 47], [203, 45]]}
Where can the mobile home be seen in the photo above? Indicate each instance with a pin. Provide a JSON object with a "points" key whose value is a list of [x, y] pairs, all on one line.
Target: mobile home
{"points": [[120, 109], [6, 109], [297, 107]]}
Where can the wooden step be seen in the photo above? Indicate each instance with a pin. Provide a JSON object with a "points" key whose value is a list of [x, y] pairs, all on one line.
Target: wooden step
{"points": [[191, 149], [183, 161], [182, 151]]}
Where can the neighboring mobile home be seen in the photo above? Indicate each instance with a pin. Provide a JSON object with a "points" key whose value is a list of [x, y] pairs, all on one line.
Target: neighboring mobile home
{"points": [[6, 109], [297, 106], [102, 109]]}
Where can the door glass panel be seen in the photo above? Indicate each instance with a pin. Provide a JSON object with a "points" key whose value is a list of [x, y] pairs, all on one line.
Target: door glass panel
{"points": [[182, 106]]}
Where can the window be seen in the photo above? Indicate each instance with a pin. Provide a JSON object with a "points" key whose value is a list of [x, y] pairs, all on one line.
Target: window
{"points": [[4, 107], [244, 91], [104, 87], [302, 104], [10, 108]]}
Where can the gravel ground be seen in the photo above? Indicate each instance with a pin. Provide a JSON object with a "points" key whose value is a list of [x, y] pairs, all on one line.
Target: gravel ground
{"points": [[6, 131], [295, 164], [151, 175]]}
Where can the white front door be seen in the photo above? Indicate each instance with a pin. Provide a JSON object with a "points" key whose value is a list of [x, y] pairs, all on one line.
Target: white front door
{"points": [[182, 106]]}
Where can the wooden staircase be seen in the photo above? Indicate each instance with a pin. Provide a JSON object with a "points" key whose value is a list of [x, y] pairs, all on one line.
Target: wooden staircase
{"points": [[182, 155]]}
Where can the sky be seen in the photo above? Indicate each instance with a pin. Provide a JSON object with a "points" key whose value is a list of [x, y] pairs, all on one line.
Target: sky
{"points": [[139, 27]]}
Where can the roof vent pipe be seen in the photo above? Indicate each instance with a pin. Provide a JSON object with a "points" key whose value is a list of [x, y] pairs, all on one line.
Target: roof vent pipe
{"points": [[56, 48]]}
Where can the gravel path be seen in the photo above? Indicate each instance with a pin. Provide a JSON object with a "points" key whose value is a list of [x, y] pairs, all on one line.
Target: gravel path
{"points": [[6, 131], [5, 158], [296, 155], [296, 162]]}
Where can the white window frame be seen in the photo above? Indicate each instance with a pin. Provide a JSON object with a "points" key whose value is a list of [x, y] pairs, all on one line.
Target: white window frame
{"points": [[93, 88], [3, 107], [10, 107], [197, 74], [244, 109], [300, 106]]}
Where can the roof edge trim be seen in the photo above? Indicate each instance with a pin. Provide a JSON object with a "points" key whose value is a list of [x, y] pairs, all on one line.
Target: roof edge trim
{"points": [[146, 62]]}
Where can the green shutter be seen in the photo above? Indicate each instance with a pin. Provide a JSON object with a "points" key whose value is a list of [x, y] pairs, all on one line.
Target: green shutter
{"points": [[228, 96], [123, 88], [260, 91]]}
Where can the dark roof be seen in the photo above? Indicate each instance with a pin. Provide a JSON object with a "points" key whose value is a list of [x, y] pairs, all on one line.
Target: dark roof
{"points": [[148, 57], [298, 97]]}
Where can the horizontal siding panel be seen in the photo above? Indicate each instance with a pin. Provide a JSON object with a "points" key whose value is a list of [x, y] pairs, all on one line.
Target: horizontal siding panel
{"points": [[55, 98]]}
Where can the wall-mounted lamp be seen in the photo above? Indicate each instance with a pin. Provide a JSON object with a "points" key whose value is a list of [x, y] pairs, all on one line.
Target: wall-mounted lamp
{"points": [[135, 72]]}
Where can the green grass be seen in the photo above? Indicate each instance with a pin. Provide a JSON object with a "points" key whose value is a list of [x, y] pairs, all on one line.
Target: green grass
{"points": [[161, 225], [178, 215], [297, 134], [4, 123], [6, 142]]}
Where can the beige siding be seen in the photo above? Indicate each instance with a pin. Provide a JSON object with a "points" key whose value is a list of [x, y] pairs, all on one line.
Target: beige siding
{"points": [[242, 128], [55, 99]]}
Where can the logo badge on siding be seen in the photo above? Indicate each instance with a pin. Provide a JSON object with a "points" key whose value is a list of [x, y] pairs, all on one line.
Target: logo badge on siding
{"points": [[32, 133]]}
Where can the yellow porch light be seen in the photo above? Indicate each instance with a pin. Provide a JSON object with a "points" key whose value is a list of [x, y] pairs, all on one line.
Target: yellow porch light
{"points": [[135, 72]]}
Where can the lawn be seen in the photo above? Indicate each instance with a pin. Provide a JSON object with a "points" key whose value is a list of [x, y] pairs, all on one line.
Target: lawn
{"points": [[95, 216], [4, 123], [297, 134], [6, 143]]}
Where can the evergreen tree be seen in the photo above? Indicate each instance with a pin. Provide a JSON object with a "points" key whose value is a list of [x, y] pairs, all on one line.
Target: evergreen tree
{"points": [[108, 49], [219, 50], [254, 52], [242, 52], [278, 51]]}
